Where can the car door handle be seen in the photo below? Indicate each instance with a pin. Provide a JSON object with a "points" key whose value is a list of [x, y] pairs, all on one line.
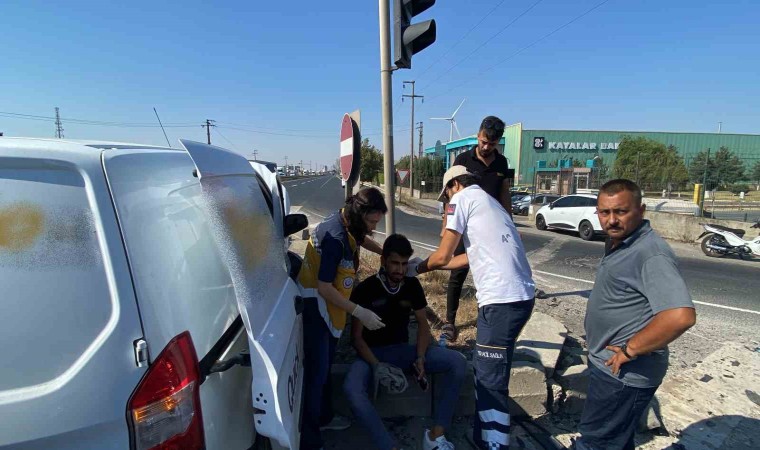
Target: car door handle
{"points": [[298, 302]]}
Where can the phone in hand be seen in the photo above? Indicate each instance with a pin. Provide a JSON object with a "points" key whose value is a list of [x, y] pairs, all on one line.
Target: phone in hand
{"points": [[423, 382]]}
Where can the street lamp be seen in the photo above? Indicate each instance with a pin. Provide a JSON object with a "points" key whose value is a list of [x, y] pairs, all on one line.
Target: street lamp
{"points": [[593, 166]]}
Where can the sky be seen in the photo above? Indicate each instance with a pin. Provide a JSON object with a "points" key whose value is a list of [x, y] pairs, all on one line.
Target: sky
{"points": [[277, 77]]}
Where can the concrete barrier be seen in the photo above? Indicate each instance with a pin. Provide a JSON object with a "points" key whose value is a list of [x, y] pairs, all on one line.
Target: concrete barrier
{"points": [[686, 228]]}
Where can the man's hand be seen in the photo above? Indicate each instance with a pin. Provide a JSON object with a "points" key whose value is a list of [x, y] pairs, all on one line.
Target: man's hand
{"points": [[411, 269], [368, 318], [617, 360], [419, 365]]}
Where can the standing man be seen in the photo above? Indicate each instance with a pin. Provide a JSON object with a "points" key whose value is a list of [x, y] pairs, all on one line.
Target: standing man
{"points": [[393, 297], [639, 304], [503, 279], [495, 178]]}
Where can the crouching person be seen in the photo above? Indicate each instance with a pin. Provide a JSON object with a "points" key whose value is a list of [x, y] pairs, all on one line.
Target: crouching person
{"points": [[385, 352]]}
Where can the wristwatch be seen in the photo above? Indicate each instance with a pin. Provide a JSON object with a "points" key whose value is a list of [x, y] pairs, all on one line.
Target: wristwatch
{"points": [[624, 348]]}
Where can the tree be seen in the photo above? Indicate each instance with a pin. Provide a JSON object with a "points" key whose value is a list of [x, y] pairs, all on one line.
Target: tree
{"points": [[371, 160], [724, 168], [650, 163], [426, 169], [756, 173]]}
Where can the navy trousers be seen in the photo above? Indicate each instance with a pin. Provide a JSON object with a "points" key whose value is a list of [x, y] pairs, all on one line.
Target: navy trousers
{"points": [[498, 328], [611, 412], [319, 351]]}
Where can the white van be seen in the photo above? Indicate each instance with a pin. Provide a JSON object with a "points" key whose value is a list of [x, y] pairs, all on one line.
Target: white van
{"points": [[147, 299]]}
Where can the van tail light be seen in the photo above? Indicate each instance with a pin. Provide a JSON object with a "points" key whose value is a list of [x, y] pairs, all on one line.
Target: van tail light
{"points": [[164, 412]]}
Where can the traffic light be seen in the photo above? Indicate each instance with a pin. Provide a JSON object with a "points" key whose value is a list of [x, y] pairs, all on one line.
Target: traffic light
{"points": [[411, 38]]}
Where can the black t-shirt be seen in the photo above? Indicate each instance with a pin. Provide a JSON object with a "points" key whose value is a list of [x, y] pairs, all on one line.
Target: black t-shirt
{"points": [[393, 309], [492, 176]]}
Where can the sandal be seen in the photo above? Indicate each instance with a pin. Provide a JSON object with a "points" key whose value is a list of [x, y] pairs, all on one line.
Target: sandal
{"points": [[449, 332]]}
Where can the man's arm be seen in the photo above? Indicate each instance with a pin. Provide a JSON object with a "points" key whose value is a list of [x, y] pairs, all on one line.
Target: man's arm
{"points": [[444, 254], [666, 327], [329, 293], [423, 340], [362, 349], [504, 195]]}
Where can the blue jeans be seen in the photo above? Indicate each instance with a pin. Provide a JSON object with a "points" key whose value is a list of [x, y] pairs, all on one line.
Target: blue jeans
{"points": [[319, 350], [437, 360], [498, 328], [611, 412]]}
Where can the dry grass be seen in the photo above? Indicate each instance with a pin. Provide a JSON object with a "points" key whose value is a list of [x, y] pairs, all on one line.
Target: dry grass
{"points": [[435, 285]]}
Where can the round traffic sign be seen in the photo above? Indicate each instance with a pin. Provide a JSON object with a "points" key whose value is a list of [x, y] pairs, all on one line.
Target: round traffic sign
{"points": [[346, 147]]}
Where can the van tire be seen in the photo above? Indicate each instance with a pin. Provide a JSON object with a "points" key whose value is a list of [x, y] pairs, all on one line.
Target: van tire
{"points": [[540, 222], [586, 230]]}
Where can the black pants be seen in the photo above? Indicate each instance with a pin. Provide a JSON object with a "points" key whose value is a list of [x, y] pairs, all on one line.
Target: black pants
{"points": [[611, 412], [498, 328], [454, 291], [319, 350]]}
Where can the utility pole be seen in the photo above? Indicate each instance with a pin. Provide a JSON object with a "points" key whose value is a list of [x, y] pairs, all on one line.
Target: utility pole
{"points": [[386, 90], [58, 125], [704, 186], [420, 143], [255, 155], [411, 148], [302, 167], [209, 124], [286, 166]]}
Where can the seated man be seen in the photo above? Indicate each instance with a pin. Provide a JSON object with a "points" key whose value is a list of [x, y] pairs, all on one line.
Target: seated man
{"points": [[393, 296]]}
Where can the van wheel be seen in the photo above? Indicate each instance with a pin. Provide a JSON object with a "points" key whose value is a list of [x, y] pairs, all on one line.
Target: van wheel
{"points": [[586, 230], [540, 222]]}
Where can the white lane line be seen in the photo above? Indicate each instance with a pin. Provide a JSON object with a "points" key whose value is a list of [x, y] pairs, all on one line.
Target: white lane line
{"points": [[697, 302]]}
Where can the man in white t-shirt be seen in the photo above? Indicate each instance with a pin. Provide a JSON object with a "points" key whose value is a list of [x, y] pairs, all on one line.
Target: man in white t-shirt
{"points": [[505, 293]]}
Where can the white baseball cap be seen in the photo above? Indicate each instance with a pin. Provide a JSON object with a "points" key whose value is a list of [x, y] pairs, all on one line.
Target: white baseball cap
{"points": [[453, 172]]}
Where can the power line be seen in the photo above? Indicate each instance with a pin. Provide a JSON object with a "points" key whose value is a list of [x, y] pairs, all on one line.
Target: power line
{"points": [[484, 43], [225, 138], [537, 41], [93, 122], [487, 15]]}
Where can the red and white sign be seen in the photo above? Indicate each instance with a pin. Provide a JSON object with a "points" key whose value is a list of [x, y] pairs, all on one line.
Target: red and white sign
{"points": [[346, 147], [402, 174]]}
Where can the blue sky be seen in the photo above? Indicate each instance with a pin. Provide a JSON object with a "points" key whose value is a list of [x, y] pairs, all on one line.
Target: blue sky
{"points": [[287, 71]]}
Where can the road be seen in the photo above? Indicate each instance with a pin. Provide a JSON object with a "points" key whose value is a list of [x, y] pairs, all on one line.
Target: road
{"points": [[726, 292]]}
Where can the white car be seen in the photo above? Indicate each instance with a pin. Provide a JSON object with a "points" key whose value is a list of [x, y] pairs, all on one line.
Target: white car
{"points": [[572, 212], [147, 301]]}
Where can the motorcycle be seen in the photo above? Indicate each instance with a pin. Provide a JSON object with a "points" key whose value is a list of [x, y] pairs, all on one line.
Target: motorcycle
{"points": [[720, 241]]}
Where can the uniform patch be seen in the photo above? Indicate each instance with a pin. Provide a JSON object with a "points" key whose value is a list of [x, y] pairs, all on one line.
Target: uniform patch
{"points": [[348, 282], [451, 208]]}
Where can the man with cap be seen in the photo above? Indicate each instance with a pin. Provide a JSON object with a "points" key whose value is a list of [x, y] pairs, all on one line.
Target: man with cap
{"points": [[505, 293], [495, 179]]}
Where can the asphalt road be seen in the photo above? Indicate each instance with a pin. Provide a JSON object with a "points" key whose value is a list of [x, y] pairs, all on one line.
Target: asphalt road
{"points": [[726, 292]]}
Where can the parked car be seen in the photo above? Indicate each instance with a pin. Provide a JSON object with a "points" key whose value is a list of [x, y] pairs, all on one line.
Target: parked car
{"points": [[521, 206], [133, 276], [572, 212]]}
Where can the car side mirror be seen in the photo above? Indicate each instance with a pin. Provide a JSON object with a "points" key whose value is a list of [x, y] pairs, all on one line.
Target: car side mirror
{"points": [[551, 205], [293, 223]]}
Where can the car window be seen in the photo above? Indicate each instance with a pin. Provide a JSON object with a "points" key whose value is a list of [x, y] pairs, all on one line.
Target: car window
{"points": [[586, 201], [267, 194], [564, 202]]}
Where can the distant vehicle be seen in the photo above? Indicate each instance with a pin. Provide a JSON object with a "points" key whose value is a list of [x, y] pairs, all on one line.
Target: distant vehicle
{"points": [[135, 275], [572, 212], [522, 205]]}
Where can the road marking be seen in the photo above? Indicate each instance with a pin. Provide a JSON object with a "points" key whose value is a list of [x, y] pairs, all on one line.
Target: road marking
{"points": [[697, 302], [422, 245]]}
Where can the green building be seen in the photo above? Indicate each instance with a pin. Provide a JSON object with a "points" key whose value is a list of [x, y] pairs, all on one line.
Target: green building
{"points": [[541, 157]]}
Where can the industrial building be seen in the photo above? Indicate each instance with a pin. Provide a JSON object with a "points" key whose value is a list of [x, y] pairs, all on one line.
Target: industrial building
{"points": [[544, 157]]}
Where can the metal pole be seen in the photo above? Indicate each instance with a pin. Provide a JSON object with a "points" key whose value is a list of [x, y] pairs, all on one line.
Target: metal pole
{"points": [[385, 93], [704, 186], [411, 150]]}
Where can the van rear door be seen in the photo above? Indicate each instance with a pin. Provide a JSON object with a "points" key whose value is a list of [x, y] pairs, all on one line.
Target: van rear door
{"points": [[267, 298]]}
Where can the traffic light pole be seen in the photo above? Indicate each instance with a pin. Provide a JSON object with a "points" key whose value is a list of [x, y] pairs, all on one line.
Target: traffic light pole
{"points": [[386, 92]]}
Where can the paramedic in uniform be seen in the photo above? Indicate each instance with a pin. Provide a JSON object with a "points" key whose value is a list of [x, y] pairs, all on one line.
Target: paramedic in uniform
{"points": [[327, 279], [505, 293]]}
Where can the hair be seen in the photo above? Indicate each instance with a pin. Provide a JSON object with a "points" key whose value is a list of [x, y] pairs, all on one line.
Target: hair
{"points": [[464, 180], [366, 201], [613, 187], [492, 127], [398, 244]]}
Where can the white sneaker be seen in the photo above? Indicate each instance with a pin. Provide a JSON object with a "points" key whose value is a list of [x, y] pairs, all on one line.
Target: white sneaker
{"points": [[338, 423], [440, 443]]}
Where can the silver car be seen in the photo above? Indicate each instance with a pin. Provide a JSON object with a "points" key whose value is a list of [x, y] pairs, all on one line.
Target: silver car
{"points": [[146, 299]]}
